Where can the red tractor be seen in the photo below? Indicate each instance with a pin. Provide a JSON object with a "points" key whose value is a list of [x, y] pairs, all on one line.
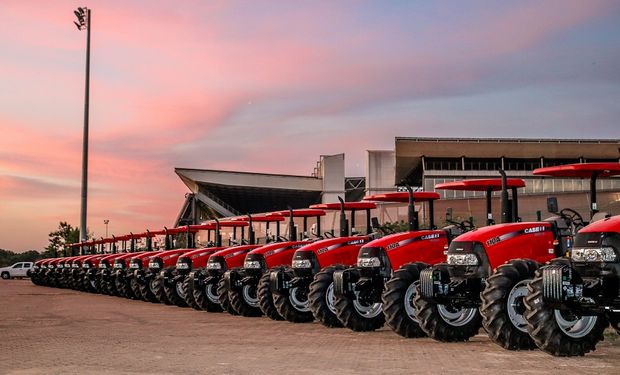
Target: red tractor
{"points": [[192, 273], [35, 274], [305, 291], [486, 275], [248, 286], [571, 300]]}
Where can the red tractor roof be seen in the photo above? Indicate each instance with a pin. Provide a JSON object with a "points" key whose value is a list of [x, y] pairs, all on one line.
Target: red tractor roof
{"points": [[584, 170], [259, 218], [494, 184], [421, 196], [347, 206], [301, 212]]}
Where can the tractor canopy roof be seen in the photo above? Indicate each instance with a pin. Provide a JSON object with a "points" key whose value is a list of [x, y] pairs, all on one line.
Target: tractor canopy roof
{"points": [[495, 184], [584, 170], [259, 218], [349, 206], [301, 212], [419, 196]]}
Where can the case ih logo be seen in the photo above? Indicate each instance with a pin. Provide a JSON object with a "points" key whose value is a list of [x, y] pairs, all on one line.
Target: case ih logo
{"points": [[234, 254], [430, 236], [534, 230], [356, 242]]}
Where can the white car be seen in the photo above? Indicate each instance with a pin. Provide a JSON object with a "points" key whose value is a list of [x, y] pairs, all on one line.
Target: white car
{"points": [[17, 270]]}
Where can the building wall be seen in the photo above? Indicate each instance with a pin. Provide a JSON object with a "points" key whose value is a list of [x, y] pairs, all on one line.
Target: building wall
{"points": [[332, 173], [380, 167]]}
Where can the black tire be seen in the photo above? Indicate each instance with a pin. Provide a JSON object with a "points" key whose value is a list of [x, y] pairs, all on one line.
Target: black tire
{"points": [[286, 308], [152, 290], [6, 275], [398, 308], [432, 320], [614, 320], [205, 299], [240, 303], [349, 312], [134, 290], [189, 293], [121, 284], [222, 295], [110, 286], [88, 286], [98, 286], [321, 297], [543, 326], [265, 297], [170, 289], [502, 304]]}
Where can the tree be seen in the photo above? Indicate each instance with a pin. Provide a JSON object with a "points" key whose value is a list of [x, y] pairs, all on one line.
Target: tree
{"points": [[65, 234]]}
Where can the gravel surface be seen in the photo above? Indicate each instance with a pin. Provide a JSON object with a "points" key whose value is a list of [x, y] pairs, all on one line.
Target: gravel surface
{"points": [[58, 331]]}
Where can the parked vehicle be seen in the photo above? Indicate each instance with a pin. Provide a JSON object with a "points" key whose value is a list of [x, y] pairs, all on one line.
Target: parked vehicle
{"points": [[19, 269], [486, 275], [305, 291], [572, 300], [244, 294]]}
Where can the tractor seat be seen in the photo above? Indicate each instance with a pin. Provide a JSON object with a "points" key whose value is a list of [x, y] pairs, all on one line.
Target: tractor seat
{"points": [[600, 216]]}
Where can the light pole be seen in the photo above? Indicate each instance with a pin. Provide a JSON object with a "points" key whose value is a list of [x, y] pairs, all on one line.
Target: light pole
{"points": [[83, 23], [106, 222]]}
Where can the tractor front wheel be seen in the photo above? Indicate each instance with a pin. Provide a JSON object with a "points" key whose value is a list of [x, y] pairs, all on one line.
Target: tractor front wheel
{"points": [[265, 297], [398, 297], [222, 296], [245, 300], [176, 291], [502, 304], [292, 305], [321, 297]]}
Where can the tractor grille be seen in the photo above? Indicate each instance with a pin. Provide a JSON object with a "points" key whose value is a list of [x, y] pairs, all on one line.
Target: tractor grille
{"points": [[426, 282], [552, 282]]}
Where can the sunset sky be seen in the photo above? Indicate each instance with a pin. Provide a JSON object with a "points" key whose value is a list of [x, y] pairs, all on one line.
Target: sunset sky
{"points": [[268, 86]]}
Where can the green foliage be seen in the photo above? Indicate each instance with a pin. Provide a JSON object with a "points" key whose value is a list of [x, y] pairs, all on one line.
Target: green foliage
{"points": [[8, 258], [65, 234]]}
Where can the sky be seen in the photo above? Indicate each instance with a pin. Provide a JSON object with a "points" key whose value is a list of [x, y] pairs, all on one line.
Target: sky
{"points": [[269, 86]]}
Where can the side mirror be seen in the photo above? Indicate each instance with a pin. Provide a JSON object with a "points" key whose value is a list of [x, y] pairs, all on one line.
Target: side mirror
{"points": [[449, 214], [552, 205], [313, 230]]}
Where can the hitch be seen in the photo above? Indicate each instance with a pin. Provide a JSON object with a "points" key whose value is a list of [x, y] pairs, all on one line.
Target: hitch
{"points": [[277, 281], [345, 282], [231, 279]]}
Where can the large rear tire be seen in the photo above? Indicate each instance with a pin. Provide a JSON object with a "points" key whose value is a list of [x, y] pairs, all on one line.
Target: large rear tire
{"points": [[265, 297], [175, 291], [321, 297], [398, 296], [244, 300], [446, 323], [292, 305], [560, 332], [156, 286], [222, 296], [502, 304]]}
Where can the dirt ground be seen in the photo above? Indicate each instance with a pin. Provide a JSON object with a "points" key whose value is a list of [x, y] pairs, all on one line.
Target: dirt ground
{"points": [[55, 331]]}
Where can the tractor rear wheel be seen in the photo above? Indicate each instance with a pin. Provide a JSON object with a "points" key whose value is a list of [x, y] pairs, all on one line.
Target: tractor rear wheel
{"points": [[156, 287], [293, 304], [446, 323], [502, 304], [398, 296], [244, 300], [222, 296], [188, 292], [265, 297], [321, 297], [175, 292], [560, 332]]}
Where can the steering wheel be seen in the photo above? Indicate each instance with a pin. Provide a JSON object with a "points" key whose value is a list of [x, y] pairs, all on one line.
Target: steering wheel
{"points": [[328, 235], [573, 216], [282, 238], [465, 225]]}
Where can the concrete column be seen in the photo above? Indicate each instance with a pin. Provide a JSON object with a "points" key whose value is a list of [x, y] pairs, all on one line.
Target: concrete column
{"points": [[332, 171]]}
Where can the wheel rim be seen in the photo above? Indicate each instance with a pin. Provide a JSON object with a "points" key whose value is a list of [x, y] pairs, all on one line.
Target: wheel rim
{"points": [[330, 299], [178, 286], [250, 296], [212, 293], [410, 294], [456, 317], [515, 306], [153, 285], [367, 311], [296, 298], [92, 283], [573, 326]]}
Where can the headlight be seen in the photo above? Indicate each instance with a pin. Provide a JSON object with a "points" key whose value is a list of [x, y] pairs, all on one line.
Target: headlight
{"points": [[43, 267], [134, 265], [118, 265], [604, 254], [254, 264], [154, 265], [462, 259], [369, 262], [214, 266], [75, 265], [86, 265], [183, 265], [302, 263], [36, 267], [60, 266], [51, 266]]}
